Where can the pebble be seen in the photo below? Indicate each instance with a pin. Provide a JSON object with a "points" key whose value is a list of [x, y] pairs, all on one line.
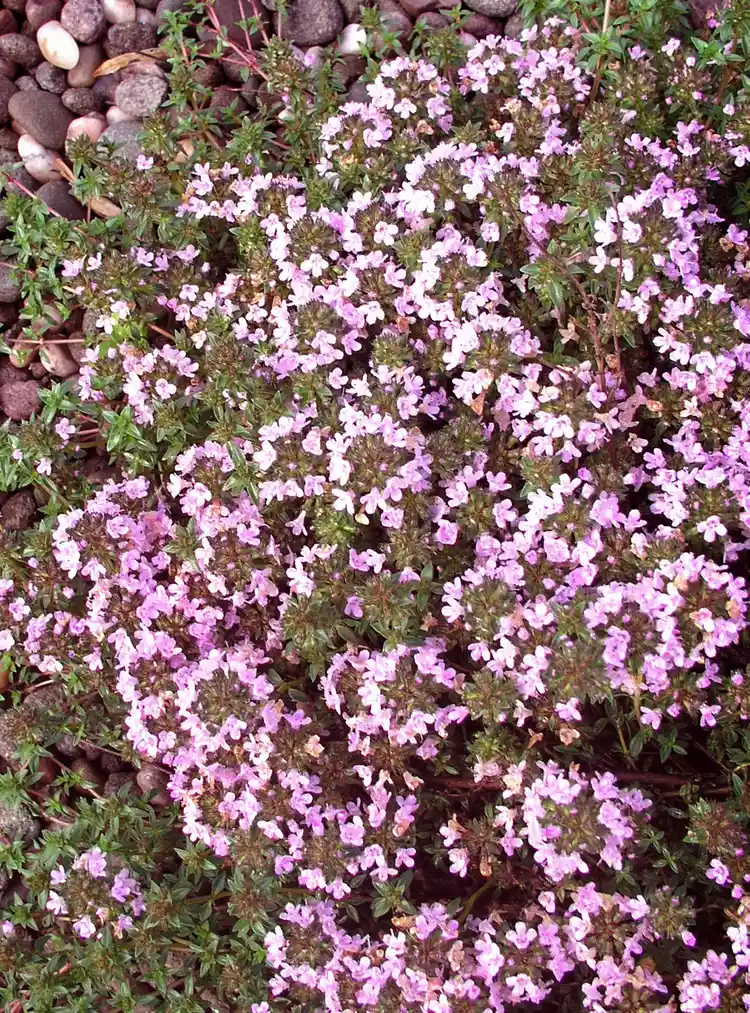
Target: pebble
{"points": [[20, 49], [493, 8], [514, 26], [15, 5], [395, 19], [57, 362], [42, 115], [129, 39], [416, 7], [20, 400], [89, 59], [20, 509], [432, 22], [51, 78], [115, 782], [225, 97], [229, 12], [139, 68], [10, 288], [125, 136], [313, 22], [42, 167], [39, 12], [7, 88], [81, 101], [150, 779], [352, 9], [92, 126], [57, 45], [115, 115], [17, 823], [119, 12], [141, 95], [105, 87], [84, 19], [144, 17], [90, 773], [27, 83], [7, 22], [351, 40], [480, 26], [8, 68], [58, 197]]}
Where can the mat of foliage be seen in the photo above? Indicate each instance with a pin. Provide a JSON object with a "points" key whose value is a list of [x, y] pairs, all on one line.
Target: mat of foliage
{"points": [[423, 571]]}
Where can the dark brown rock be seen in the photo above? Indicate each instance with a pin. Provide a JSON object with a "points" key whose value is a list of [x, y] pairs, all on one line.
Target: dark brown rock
{"points": [[152, 781], [89, 60], [57, 195], [20, 49], [229, 12], [7, 88], [416, 7], [395, 20], [19, 512], [7, 23], [432, 22], [313, 22], [480, 26], [106, 86], [39, 12], [89, 772], [19, 400], [225, 97], [8, 68], [42, 115], [10, 286]]}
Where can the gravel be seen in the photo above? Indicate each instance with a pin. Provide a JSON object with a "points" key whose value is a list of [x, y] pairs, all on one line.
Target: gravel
{"points": [[20, 49], [141, 95], [51, 78], [20, 400], [84, 19], [129, 39]]}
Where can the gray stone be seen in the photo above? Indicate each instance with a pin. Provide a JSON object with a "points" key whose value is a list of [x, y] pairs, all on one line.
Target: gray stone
{"points": [[493, 8], [27, 83], [125, 136], [133, 38], [81, 101], [7, 88], [84, 19], [10, 287], [313, 22], [20, 49], [39, 12], [42, 115], [51, 78], [57, 195], [89, 59], [17, 823], [20, 400], [20, 509], [514, 26], [141, 95]]}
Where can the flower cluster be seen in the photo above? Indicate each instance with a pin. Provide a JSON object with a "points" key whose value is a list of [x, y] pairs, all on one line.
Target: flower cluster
{"points": [[452, 528]]}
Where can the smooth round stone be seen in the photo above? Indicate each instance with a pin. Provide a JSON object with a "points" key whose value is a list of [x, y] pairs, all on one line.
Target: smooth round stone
{"points": [[42, 167], [89, 59], [493, 8], [58, 197], [28, 147], [351, 40], [7, 88], [20, 49], [117, 115], [57, 361], [41, 114], [119, 12], [91, 126], [58, 46], [144, 17], [140, 96], [142, 68]]}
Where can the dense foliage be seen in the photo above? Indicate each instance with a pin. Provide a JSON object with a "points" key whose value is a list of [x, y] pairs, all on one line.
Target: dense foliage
{"points": [[421, 574]]}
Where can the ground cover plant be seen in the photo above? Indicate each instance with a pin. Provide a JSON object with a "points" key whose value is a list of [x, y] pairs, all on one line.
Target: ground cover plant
{"points": [[418, 585]]}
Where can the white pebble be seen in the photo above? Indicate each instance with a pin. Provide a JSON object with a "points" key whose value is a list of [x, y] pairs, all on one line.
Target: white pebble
{"points": [[28, 147], [116, 115], [119, 12], [352, 39], [42, 167], [58, 46], [92, 126]]}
